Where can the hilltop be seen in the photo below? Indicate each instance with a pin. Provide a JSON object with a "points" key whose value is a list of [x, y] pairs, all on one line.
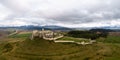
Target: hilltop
{"points": [[20, 47]]}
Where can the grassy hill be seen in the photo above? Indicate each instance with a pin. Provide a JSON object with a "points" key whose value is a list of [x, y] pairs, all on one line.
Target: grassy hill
{"points": [[20, 47]]}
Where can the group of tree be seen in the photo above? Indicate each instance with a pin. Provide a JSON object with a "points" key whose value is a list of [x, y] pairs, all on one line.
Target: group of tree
{"points": [[87, 34]]}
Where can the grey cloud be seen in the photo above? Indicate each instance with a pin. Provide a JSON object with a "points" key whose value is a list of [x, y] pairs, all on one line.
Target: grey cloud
{"points": [[63, 12]]}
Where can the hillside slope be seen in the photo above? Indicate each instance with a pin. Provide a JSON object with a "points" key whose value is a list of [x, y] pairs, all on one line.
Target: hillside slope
{"points": [[40, 49]]}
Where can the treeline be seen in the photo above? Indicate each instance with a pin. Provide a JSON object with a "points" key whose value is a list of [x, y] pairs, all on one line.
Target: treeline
{"points": [[102, 30], [87, 34]]}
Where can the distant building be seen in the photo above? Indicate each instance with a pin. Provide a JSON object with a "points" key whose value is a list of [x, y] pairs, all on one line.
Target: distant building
{"points": [[98, 32]]}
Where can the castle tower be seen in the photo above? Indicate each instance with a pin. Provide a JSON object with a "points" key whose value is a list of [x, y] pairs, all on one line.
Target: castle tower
{"points": [[43, 29], [43, 34]]}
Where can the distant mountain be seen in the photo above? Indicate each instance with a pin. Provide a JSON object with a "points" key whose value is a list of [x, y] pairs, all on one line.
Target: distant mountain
{"points": [[32, 27], [53, 27], [105, 28], [111, 27]]}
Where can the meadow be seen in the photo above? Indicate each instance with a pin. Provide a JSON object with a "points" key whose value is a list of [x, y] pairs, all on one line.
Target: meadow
{"points": [[20, 47]]}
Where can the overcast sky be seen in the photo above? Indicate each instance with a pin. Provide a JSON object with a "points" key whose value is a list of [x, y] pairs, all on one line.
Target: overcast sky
{"points": [[68, 13]]}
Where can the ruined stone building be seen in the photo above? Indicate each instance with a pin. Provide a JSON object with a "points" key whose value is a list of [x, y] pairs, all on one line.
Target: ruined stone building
{"points": [[46, 34]]}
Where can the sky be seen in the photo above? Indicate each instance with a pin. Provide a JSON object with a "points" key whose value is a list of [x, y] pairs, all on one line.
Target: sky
{"points": [[67, 13]]}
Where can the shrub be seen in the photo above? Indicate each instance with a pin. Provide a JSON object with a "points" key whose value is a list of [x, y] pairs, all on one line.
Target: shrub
{"points": [[7, 48]]}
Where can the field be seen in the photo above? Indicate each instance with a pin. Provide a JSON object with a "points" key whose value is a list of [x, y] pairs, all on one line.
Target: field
{"points": [[20, 47], [66, 38], [4, 33]]}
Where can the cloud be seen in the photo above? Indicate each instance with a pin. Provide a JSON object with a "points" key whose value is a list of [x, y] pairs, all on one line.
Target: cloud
{"points": [[69, 13], [4, 12]]}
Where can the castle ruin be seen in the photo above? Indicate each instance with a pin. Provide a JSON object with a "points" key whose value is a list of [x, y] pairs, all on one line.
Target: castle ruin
{"points": [[46, 34]]}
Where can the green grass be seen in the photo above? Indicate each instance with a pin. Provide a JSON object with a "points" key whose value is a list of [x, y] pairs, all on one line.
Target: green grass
{"points": [[74, 39], [110, 39], [20, 35], [40, 49]]}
